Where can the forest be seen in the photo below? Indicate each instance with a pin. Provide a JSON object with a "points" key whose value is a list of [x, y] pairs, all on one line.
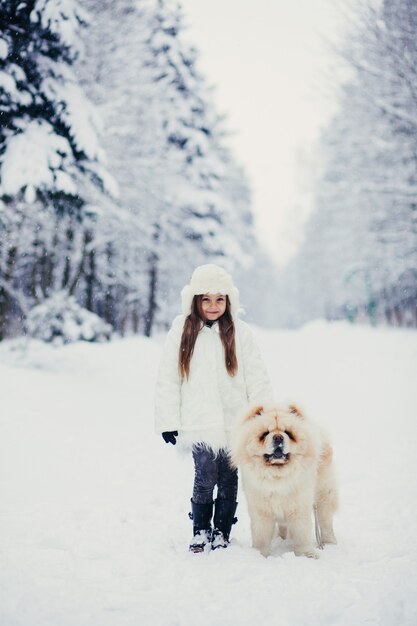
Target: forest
{"points": [[116, 177], [358, 260]]}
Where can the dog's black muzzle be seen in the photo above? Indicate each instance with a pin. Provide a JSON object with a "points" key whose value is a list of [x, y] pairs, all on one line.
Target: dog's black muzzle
{"points": [[278, 454], [278, 447]]}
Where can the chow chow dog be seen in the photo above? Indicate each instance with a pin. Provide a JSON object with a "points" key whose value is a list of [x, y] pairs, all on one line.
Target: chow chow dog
{"points": [[287, 473]]}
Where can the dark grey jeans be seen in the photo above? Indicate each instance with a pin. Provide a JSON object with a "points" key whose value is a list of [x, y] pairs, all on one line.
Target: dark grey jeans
{"points": [[210, 470]]}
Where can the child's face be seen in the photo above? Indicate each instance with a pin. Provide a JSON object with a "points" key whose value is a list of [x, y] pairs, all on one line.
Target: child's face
{"points": [[213, 306]]}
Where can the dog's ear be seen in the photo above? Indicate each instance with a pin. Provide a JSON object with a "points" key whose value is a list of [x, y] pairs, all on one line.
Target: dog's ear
{"points": [[256, 410], [295, 410]]}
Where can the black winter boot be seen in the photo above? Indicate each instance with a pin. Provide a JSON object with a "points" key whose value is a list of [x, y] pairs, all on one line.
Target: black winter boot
{"points": [[201, 516], [224, 518]]}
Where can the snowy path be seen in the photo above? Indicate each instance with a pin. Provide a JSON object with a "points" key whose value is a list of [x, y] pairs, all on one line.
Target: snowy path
{"points": [[94, 528]]}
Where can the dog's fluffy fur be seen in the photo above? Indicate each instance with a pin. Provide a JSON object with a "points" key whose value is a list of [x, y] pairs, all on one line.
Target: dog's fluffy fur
{"points": [[286, 466]]}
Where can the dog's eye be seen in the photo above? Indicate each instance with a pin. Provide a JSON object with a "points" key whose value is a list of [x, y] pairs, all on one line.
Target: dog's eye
{"points": [[290, 435], [262, 437]]}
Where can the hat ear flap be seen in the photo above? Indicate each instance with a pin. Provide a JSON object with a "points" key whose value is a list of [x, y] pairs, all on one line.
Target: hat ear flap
{"points": [[186, 299], [234, 302]]}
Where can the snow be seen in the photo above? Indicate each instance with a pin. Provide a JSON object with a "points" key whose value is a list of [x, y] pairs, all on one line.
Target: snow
{"points": [[32, 157], [109, 183], [60, 319], [4, 49], [77, 113], [9, 79], [62, 18], [7, 82], [94, 527]]}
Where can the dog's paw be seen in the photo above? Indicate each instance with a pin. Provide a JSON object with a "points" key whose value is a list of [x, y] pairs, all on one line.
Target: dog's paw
{"points": [[310, 554], [264, 550]]}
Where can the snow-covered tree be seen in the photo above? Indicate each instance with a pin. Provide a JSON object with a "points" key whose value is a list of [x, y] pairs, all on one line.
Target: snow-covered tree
{"points": [[165, 146], [50, 158], [122, 245], [360, 250], [60, 319]]}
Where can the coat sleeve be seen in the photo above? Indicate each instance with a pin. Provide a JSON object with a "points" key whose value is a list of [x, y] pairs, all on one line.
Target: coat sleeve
{"points": [[168, 384], [258, 385]]}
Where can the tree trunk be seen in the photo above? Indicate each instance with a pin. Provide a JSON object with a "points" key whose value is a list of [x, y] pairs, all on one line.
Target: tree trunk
{"points": [[81, 266], [67, 269], [4, 296], [153, 281], [135, 321], [108, 295], [90, 274], [3, 313]]}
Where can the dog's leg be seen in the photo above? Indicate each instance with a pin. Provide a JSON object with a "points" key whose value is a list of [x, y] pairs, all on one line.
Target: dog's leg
{"points": [[326, 497], [262, 529], [326, 507], [301, 531]]}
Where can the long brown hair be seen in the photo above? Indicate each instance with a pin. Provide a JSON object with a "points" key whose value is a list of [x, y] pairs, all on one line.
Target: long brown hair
{"points": [[194, 322]]}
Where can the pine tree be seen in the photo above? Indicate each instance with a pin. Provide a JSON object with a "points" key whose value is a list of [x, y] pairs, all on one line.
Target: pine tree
{"points": [[165, 145], [193, 217], [50, 158]]}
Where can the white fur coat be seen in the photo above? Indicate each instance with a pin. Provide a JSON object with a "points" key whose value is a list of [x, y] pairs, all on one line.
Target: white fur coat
{"points": [[204, 407]]}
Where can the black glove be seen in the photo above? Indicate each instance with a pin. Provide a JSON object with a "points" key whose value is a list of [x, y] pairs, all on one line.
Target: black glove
{"points": [[169, 436]]}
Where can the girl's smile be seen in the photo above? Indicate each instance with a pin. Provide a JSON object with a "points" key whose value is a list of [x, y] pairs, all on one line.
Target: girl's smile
{"points": [[213, 305]]}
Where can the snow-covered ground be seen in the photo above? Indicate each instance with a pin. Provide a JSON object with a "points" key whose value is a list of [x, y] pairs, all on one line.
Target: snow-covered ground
{"points": [[94, 528]]}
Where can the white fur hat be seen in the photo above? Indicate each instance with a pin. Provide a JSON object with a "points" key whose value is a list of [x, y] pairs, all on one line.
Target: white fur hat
{"points": [[212, 279]]}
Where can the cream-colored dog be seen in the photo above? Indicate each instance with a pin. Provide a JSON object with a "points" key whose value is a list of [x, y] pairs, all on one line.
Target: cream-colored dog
{"points": [[286, 466]]}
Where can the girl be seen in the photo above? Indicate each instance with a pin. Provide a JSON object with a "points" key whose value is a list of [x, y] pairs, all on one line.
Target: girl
{"points": [[210, 373]]}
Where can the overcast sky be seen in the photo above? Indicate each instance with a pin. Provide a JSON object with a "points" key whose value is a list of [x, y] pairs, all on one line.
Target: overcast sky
{"points": [[270, 63]]}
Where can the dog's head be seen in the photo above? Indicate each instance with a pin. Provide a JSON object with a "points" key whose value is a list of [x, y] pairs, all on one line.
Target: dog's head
{"points": [[273, 437]]}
